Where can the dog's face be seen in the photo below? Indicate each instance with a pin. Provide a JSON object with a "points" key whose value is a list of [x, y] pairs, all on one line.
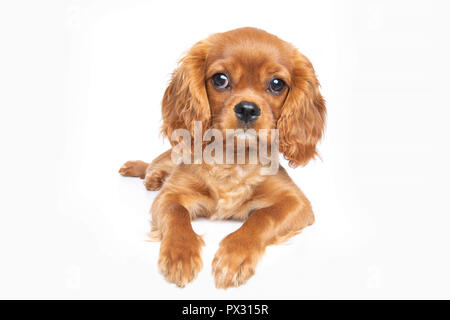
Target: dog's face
{"points": [[248, 79]]}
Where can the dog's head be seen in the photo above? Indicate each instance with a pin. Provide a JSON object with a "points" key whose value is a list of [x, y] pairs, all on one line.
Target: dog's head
{"points": [[248, 79]]}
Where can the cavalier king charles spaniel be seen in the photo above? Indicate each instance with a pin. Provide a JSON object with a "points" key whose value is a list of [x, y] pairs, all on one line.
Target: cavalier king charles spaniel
{"points": [[245, 79]]}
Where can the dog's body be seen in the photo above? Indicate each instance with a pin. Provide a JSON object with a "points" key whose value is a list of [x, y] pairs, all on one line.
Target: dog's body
{"points": [[272, 206]]}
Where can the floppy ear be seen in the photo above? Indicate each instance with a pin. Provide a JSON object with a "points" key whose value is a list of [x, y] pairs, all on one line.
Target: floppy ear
{"points": [[185, 99], [302, 118]]}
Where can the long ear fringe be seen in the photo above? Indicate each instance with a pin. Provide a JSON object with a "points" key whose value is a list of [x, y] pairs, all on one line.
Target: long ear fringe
{"points": [[302, 118], [185, 99]]}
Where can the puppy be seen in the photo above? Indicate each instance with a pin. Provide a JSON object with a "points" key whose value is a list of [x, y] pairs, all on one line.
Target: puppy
{"points": [[249, 80]]}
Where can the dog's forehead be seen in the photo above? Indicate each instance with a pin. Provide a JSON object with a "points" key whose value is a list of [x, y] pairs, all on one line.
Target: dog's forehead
{"points": [[249, 47]]}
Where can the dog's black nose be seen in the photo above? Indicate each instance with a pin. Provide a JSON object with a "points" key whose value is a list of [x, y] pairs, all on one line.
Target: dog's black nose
{"points": [[247, 111]]}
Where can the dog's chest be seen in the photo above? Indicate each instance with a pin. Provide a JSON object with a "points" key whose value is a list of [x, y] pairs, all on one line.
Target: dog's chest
{"points": [[232, 188]]}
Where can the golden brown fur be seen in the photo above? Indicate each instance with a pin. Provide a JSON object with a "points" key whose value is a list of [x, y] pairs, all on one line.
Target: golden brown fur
{"points": [[272, 206]]}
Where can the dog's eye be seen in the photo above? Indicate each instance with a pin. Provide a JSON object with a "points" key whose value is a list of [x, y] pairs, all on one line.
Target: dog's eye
{"points": [[220, 81], [276, 86]]}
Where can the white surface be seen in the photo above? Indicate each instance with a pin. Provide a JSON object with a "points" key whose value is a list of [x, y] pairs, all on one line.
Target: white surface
{"points": [[81, 84]]}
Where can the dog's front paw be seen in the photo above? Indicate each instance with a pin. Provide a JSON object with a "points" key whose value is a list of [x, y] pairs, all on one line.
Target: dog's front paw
{"points": [[235, 261], [180, 259]]}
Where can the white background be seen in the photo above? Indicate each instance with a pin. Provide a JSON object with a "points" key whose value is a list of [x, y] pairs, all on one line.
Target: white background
{"points": [[80, 90]]}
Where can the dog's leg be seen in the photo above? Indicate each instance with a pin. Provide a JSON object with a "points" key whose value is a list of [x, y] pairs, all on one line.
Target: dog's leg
{"points": [[153, 174], [180, 252], [183, 198], [238, 254]]}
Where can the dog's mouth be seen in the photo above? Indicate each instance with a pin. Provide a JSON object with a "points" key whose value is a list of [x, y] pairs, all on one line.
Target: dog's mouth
{"points": [[246, 133], [242, 133], [245, 126]]}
